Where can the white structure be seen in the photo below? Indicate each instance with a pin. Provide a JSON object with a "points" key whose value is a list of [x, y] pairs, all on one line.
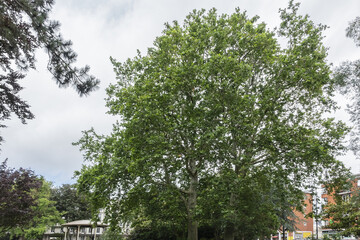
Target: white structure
{"points": [[76, 230]]}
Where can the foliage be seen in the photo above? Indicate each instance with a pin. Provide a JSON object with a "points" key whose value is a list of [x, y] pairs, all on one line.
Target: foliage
{"points": [[215, 100], [331, 237], [157, 233], [347, 76], [149, 233], [24, 27], [257, 206], [353, 31], [344, 215], [111, 235], [46, 215], [18, 200], [168, 215], [70, 203], [286, 204]]}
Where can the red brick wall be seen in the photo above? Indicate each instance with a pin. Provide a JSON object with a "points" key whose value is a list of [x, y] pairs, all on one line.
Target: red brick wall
{"points": [[305, 224]]}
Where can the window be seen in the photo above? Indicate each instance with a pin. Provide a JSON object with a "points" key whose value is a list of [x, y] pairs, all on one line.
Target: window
{"points": [[324, 223], [305, 223], [346, 197], [98, 230], [82, 230], [89, 229], [52, 229]]}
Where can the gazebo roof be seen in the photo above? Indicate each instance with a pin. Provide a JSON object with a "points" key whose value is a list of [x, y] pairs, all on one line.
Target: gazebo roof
{"points": [[84, 223]]}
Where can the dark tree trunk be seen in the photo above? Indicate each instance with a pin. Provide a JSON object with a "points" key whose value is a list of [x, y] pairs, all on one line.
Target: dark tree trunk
{"points": [[283, 233], [229, 233]]}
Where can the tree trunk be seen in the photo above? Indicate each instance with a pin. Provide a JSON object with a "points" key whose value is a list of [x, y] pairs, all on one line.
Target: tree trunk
{"points": [[192, 230], [284, 233], [192, 223], [229, 233]]}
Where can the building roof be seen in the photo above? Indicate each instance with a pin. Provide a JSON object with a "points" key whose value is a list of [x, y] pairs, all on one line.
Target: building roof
{"points": [[84, 223]]}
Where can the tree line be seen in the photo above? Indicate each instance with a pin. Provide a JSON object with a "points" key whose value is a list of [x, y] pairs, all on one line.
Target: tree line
{"points": [[30, 205]]}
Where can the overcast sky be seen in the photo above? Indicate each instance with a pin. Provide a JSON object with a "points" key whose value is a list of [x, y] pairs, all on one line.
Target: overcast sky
{"points": [[117, 28]]}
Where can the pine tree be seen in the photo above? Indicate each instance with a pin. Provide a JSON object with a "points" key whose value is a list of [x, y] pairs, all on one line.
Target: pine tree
{"points": [[24, 27]]}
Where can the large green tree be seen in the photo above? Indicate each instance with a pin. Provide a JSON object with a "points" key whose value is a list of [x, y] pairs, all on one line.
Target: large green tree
{"points": [[25, 26], [215, 98]]}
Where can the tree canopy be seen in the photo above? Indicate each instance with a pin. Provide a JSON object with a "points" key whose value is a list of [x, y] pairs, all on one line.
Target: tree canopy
{"points": [[17, 198], [24, 27], [216, 106], [46, 215], [71, 204]]}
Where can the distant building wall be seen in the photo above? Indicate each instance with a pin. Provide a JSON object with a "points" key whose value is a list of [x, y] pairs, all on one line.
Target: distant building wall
{"points": [[304, 223], [328, 198]]}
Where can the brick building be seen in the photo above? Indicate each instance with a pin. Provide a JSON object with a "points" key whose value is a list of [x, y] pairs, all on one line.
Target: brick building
{"points": [[329, 199]]}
